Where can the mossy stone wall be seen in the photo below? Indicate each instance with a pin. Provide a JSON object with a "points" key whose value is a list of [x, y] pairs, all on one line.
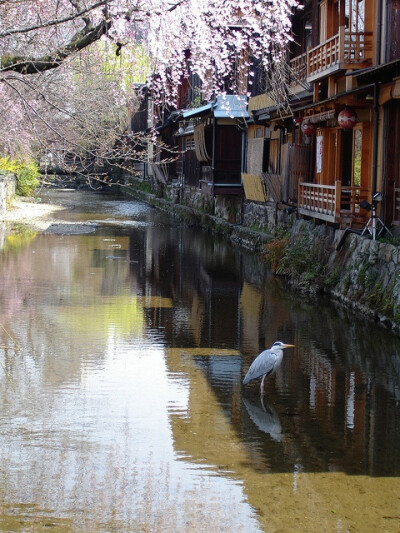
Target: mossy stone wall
{"points": [[363, 274]]}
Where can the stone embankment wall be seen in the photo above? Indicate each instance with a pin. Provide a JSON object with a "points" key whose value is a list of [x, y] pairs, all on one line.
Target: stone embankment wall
{"points": [[363, 275], [199, 216], [7, 190]]}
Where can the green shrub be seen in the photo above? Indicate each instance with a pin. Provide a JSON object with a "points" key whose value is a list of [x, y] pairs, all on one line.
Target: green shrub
{"points": [[300, 260], [334, 277], [27, 174], [144, 186], [296, 258], [274, 252]]}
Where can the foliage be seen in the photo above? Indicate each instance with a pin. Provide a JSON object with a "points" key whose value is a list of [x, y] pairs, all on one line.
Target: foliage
{"points": [[19, 238], [367, 274], [27, 174], [300, 259], [296, 258], [389, 239], [256, 226], [68, 67], [334, 277], [144, 186], [274, 252], [132, 66]]}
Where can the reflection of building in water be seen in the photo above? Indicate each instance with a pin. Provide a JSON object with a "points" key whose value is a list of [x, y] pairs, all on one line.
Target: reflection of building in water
{"points": [[204, 280], [197, 314], [330, 388], [340, 389], [251, 301]]}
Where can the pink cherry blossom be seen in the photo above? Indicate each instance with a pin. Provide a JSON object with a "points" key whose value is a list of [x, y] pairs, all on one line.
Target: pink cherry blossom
{"points": [[44, 46]]}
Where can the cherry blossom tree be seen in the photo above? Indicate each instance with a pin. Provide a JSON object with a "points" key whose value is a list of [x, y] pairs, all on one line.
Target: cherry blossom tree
{"points": [[58, 86]]}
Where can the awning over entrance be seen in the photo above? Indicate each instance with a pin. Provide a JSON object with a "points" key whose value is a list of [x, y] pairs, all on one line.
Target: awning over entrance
{"points": [[225, 106], [380, 73], [321, 117]]}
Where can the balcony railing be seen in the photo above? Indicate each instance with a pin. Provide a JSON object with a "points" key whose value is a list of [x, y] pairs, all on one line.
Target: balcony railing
{"points": [[298, 70], [333, 203], [323, 56], [344, 50]]}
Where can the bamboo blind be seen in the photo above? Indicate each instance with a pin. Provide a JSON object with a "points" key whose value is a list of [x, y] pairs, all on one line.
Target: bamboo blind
{"points": [[254, 188], [200, 144], [260, 101], [255, 152], [273, 184]]}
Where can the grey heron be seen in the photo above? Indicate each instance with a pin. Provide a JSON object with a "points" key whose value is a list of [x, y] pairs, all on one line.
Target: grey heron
{"points": [[266, 363]]}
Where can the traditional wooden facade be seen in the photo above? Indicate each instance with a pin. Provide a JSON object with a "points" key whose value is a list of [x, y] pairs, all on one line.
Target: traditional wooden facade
{"points": [[217, 140], [325, 154], [331, 149], [199, 149]]}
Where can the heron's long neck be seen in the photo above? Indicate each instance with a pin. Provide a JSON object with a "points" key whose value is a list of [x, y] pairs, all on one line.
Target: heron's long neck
{"points": [[279, 357]]}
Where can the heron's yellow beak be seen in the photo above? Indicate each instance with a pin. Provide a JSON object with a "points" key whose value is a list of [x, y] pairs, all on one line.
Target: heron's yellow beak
{"points": [[288, 346]]}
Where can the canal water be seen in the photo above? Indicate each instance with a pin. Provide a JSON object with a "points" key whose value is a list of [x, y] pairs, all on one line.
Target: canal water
{"points": [[124, 338]]}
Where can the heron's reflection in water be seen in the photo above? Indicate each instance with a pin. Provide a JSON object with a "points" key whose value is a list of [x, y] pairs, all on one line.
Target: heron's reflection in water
{"points": [[265, 418]]}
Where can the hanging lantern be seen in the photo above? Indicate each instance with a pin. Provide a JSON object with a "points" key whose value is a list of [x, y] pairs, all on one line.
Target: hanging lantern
{"points": [[297, 121], [347, 118], [307, 128]]}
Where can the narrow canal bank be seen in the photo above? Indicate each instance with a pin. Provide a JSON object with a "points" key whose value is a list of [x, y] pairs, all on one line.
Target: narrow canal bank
{"points": [[353, 270]]}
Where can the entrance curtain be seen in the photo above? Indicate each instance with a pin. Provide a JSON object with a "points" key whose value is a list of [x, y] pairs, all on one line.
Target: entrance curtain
{"points": [[200, 144]]}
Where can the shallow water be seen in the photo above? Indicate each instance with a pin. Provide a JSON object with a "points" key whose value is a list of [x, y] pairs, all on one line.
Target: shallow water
{"points": [[123, 344]]}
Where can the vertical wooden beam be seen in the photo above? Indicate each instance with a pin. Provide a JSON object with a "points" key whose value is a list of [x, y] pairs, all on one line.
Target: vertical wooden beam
{"points": [[331, 86], [315, 36], [341, 43], [300, 192], [316, 91], [338, 194], [342, 13], [323, 23]]}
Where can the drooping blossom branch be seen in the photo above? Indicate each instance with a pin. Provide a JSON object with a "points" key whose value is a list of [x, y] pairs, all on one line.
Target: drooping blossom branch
{"points": [[214, 39], [39, 35]]}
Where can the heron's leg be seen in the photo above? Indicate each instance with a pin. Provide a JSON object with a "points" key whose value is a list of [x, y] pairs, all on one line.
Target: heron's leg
{"points": [[262, 404], [262, 385]]}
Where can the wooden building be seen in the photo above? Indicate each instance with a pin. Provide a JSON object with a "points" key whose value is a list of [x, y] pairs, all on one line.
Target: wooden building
{"points": [[217, 141], [330, 149], [322, 145]]}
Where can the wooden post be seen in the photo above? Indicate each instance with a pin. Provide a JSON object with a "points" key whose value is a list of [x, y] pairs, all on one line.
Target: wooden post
{"points": [[300, 191], [341, 43], [332, 86], [342, 8], [338, 194]]}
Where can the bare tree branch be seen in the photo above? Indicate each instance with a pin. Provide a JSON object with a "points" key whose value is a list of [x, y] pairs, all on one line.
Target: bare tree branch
{"points": [[79, 41], [54, 22]]}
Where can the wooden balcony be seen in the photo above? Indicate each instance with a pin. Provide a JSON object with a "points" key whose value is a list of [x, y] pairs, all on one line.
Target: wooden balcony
{"points": [[298, 72], [332, 203], [344, 50]]}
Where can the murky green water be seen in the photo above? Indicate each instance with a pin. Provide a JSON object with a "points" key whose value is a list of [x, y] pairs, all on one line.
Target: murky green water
{"points": [[123, 344]]}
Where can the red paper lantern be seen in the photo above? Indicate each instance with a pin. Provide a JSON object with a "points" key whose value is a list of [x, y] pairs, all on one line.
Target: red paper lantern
{"points": [[307, 128], [347, 118]]}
